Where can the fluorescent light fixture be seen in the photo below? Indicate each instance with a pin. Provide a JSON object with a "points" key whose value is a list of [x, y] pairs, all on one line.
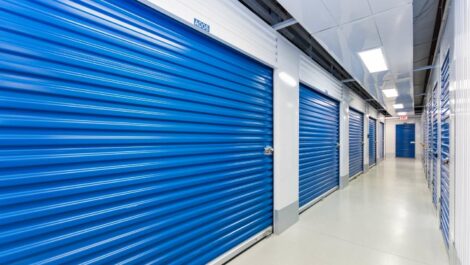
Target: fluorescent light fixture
{"points": [[401, 113], [390, 93], [398, 106], [374, 60], [288, 79]]}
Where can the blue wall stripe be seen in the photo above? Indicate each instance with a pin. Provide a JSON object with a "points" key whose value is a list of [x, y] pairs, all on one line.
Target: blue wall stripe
{"points": [[356, 142], [127, 137], [319, 135]]}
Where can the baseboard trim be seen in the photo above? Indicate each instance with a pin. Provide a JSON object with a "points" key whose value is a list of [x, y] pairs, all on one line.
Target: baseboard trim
{"points": [[453, 257], [286, 217]]}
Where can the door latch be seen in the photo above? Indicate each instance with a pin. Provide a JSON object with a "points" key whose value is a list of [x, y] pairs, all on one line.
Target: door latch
{"points": [[268, 150], [446, 161]]}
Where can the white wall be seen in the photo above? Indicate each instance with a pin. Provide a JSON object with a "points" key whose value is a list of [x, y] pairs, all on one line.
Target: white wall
{"points": [[390, 136], [286, 135], [230, 22], [460, 120], [455, 36]]}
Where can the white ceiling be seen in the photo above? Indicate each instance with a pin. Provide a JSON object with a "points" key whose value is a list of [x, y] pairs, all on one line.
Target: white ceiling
{"points": [[346, 27]]}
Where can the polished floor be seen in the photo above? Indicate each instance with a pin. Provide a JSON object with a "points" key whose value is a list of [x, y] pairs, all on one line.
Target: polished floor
{"points": [[384, 217]]}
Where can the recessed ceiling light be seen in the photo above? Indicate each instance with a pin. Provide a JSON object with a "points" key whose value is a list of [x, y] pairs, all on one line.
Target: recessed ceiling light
{"points": [[288, 79], [398, 106], [390, 93], [374, 60], [401, 113]]}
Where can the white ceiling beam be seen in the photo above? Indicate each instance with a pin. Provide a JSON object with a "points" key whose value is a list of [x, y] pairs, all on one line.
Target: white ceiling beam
{"points": [[285, 24]]}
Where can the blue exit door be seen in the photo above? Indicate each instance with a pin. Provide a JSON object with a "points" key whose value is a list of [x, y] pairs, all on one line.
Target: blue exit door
{"points": [[405, 140]]}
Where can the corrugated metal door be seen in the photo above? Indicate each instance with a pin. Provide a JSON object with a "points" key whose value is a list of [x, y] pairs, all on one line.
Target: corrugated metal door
{"points": [[127, 137], [445, 143], [382, 140], [435, 155], [429, 141], [405, 140], [372, 141], [319, 140], [356, 142]]}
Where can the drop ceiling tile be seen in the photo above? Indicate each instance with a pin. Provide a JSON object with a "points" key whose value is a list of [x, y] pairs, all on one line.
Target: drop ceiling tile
{"points": [[396, 32], [345, 11], [384, 5], [332, 40], [311, 14], [361, 35]]}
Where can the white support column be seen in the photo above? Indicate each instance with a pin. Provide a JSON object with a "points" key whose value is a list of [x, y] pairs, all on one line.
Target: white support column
{"points": [[344, 139], [366, 139], [286, 138]]}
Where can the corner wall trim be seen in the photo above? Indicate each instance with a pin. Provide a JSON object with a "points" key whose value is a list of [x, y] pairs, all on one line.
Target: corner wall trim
{"points": [[343, 181], [453, 257], [286, 217]]}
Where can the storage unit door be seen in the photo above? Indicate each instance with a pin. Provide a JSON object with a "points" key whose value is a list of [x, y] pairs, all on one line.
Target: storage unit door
{"points": [[435, 155], [429, 154], [127, 137], [445, 143], [405, 140], [319, 139], [372, 141], [382, 140], [356, 142]]}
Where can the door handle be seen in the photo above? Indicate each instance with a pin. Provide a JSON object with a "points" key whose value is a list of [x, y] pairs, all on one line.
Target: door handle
{"points": [[412, 142], [268, 150]]}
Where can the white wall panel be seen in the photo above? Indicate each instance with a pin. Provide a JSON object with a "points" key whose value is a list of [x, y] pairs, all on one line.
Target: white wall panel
{"points": [[460, 96], [390, 138], [356, 102], [313, 75], [286, 128], [373, 112], [229, 21]]}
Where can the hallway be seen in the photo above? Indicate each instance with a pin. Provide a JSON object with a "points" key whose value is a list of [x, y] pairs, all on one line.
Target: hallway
{"points": [[384, 217]]}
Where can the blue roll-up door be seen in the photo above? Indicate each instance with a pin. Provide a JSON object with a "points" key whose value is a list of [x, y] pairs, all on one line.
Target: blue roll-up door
{"points": [[429, 143], [435, 137], [405, 140], [127, 137], [319, 139], [372, 141], [445, 142], [356, 142], [382, 141]]}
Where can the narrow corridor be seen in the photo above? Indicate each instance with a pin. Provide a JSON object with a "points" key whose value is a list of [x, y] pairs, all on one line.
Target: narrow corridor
{"points": [[384, 217]]}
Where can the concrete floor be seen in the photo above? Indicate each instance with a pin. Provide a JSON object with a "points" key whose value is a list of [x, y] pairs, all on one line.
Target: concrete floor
{"points": [[384, 217]]}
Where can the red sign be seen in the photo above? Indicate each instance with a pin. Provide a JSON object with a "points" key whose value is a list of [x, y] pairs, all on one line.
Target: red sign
{"points": [[403, 118]]}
